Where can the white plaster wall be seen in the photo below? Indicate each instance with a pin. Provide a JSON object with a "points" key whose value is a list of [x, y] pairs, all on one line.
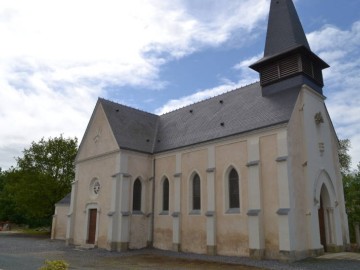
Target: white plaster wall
{"points": [[102, 169], [163, 223], [270, 193], [313, 152], [98, 157], [326, 162], [59, 227], [296, 163], [193, 227], [98, 138], [140, 166], [231, 229]]}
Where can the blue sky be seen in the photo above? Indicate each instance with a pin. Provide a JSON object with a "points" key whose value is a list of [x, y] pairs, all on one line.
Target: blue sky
{"points": [[58, 57]]}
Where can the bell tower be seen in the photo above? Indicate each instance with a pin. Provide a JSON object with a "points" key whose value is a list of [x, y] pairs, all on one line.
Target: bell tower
{"points": [[288, 61]]}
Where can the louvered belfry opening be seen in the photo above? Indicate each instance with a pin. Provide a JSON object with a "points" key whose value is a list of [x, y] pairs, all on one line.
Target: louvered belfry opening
{"points": [[288, 61], [312, 69], [290, 66]]}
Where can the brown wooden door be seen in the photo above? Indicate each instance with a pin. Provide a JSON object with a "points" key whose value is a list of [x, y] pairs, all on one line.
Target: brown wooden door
{"points": [[322, 225], [92, 226]]}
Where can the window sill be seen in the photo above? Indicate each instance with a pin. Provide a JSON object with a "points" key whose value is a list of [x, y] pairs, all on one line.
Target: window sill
{"points": [[195, 212], [164, 213], [233, 211], [137, 213]]}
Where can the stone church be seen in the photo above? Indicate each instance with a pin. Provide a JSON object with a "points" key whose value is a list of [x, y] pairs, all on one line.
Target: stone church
{"points": [[252, 172]]}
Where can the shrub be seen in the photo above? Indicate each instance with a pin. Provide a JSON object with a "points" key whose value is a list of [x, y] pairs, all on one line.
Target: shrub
{"points": [[55, 265]]}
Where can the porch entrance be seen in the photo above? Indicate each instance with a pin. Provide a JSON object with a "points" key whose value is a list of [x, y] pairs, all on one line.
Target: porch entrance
{"points": [[326, 219]]}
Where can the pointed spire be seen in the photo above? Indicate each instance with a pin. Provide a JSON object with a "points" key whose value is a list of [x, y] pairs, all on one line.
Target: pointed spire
{"points": [[288, 60], [284, 29]]}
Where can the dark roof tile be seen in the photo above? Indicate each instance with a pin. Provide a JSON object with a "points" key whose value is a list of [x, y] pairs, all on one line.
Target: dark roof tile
{"points": [[132, 128], [284, 29], [240, 111], [65, 200]]}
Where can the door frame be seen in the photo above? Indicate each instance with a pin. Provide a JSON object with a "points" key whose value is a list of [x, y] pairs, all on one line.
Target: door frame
{"points": [[325, 199], [91, 223], [89, 207]]}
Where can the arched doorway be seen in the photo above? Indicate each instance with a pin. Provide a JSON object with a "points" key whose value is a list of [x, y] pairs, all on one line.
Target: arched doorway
{"points": [[325, 218]]}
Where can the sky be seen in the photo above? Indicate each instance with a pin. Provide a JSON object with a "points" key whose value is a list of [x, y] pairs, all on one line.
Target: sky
{"points": [[57, 58]]}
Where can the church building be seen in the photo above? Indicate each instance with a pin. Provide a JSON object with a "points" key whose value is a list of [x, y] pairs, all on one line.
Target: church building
{"points": [[252, 172]]}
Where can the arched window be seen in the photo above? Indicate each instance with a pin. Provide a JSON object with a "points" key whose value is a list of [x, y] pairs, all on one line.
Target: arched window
{"points": [[196, 193], [234, 200], [165, 202], [137, 195]]}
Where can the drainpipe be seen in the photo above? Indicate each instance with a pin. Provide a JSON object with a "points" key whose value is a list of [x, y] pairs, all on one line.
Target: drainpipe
{"points": [[153, 205]]}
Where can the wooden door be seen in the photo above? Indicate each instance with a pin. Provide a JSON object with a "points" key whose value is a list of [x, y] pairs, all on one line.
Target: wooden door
{"points": [[92, 226], [322, 225]]}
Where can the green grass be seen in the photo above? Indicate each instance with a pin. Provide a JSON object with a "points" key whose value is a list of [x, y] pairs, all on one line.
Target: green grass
{"points": [[31, 231]]}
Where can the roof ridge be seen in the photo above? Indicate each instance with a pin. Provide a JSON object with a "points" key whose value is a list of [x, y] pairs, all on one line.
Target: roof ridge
{"points": [[206, 99]]}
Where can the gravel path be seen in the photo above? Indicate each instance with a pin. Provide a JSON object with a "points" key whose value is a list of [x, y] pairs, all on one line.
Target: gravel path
{"points": [[21, 252]]}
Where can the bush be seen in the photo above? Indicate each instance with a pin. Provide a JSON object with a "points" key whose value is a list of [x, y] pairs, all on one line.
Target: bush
{"points": [[55, 265]]}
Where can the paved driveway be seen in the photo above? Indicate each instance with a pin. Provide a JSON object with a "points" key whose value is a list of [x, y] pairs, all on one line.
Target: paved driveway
{"points": [[21, 252]]}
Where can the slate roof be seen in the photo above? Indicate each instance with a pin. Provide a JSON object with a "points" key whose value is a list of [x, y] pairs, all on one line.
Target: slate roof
{"points": [[65, 200], [284, 29], [235, 112], [133, 129]]}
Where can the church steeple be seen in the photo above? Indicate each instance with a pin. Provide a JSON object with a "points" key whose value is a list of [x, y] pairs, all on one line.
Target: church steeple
{"points": [[288, 60], [284, 29]]}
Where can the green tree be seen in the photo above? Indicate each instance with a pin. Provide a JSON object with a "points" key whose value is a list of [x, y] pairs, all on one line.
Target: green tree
{"points": [[352, 198], [344, 157], [351, 182], [41, 178], [53, 158], [8, 209]]}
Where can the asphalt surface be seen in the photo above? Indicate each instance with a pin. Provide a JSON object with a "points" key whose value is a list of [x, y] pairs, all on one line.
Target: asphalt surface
{"points": [[22, 252]]}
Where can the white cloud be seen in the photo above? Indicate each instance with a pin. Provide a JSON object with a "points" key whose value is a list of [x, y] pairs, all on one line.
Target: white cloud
{"points": [[56, 57], [340, 49]]}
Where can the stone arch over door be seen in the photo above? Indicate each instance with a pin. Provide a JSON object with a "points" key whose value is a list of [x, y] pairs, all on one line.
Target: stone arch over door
{"points": [[324, 179], [326, 202]]}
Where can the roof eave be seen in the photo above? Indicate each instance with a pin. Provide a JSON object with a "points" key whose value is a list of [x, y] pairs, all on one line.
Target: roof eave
{"points": [[296, 49]]}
